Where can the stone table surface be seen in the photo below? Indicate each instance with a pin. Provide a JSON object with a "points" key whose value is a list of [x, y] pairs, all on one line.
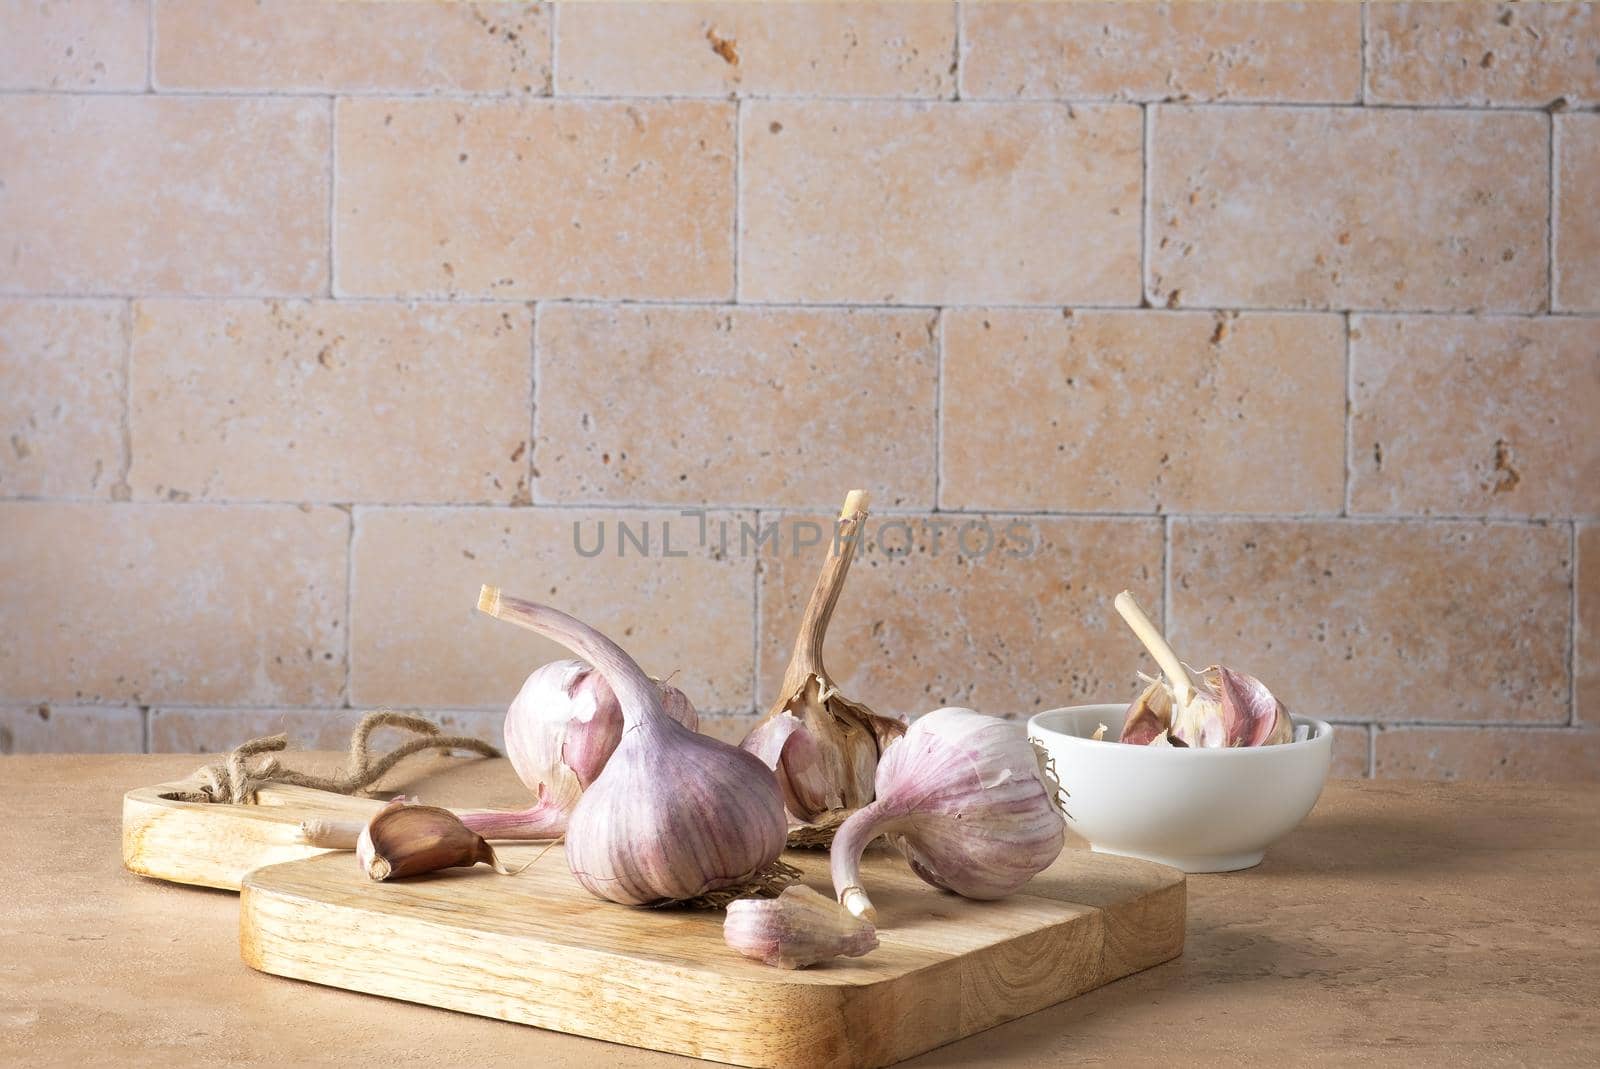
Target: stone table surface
{"points": [[1411, 924]]}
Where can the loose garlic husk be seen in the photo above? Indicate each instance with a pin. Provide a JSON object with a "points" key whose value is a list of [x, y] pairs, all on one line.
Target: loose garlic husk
{"points": [[798, 928], [968, 800], [823, 747], [407, 840], [674, 815], [560, 731], [1231, 709]]}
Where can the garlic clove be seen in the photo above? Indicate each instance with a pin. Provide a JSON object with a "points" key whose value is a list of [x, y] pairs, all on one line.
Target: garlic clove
{"points": [[1149, 716], [408, 840], [798, 928], [968, 799], [1251, 715]]}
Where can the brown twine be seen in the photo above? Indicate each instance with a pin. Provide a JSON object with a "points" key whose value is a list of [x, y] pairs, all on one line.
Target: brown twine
{"points": [[236, 781]]}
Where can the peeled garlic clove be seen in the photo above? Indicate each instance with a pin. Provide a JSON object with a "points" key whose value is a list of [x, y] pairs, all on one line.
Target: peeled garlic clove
{"points": [[968, 800], [675, 814], [560, 731], [823, 747], [1251, 715], [798, 928], [408, 840]]}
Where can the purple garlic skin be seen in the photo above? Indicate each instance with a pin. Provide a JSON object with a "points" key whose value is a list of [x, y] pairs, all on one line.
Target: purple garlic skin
{"points": [[798, 928], [967, 799], [561, 729], [674, 814]]}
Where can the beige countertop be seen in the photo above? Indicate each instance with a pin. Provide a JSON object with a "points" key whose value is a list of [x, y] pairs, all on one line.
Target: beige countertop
{"points": [[1415, 924]]}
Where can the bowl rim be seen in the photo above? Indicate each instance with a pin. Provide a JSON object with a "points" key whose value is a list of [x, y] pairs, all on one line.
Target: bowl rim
{"points": [[1322, 736]]}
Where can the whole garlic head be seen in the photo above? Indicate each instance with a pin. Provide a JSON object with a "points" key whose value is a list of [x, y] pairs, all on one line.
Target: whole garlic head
{"points": [[969, 801]]}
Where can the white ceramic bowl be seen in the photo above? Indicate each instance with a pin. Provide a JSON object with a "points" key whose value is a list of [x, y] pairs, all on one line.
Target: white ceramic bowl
{"points": [[1196, 810]]}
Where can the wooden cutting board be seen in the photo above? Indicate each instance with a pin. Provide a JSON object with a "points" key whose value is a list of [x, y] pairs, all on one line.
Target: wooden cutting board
{"points": [[537, 949], [214, 845]]}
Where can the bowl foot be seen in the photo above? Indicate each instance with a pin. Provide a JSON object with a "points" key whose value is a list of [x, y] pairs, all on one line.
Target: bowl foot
{"points": [[1193, 863]]}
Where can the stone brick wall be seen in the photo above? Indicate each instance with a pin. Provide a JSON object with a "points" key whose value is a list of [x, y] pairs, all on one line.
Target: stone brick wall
{"points": [[314, 316]]}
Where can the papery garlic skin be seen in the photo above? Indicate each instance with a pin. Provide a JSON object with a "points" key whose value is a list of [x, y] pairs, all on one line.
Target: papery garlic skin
{"points": [[1229, 709], [674, 814], [798, 928], [967, 799], [560, 731], [823, 747]]}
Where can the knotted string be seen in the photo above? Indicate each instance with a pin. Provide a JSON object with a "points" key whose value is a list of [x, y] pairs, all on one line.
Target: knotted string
{"points": [[236, 780]]}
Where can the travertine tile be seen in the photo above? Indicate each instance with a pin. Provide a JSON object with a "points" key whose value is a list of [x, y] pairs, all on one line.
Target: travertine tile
{"points": [[324, 45], [1018, 622], [857, 49], [184, 730], [1186, 51], [1527, 55], [1532, 755], [1587, 640], [163, 195], [458, 197], [1576, 274], [322, 401], [734, 405], [61, 363], [49, 728], [419, 640], [85, 44], [1352, 753], [1347, 208], [1380, 621], [1141, 410], [1490, 416], [166, 603], [879, 202]]}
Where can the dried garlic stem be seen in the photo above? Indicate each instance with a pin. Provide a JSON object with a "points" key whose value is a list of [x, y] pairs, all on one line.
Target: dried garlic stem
{"points": [[823, 746], [806, 659], [1171, 667]]}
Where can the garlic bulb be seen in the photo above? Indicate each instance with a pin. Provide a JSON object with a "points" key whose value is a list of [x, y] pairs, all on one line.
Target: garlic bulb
{"points": [[407, 840], [560, 730], [798, 928], [823, 747], [674, 814], [1231, 709], [967, 799]]}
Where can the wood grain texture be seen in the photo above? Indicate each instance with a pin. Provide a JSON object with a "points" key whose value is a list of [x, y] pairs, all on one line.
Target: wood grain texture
{"points": [[214, 845], [537, 949], [210, 845], [1393, 926]]}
